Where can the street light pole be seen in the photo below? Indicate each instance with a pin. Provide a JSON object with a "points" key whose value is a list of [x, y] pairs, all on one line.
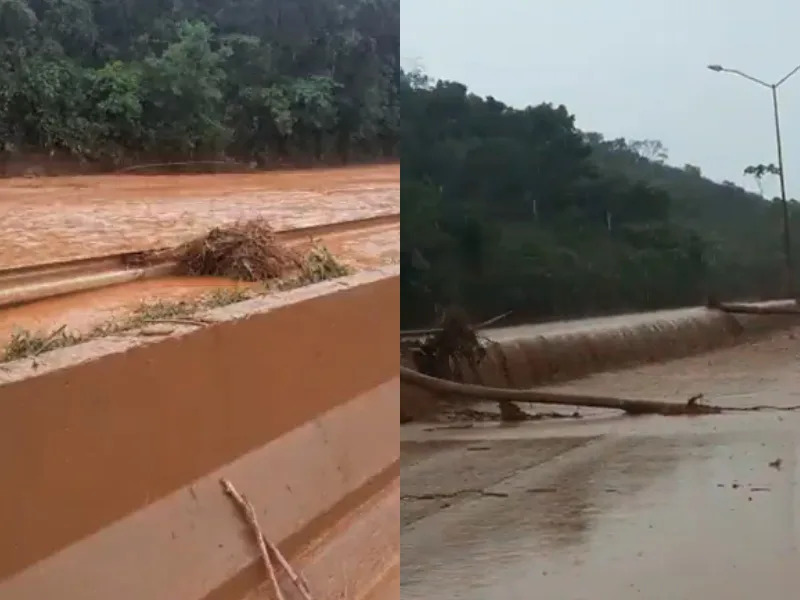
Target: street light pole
{"points": [[787, 240]]}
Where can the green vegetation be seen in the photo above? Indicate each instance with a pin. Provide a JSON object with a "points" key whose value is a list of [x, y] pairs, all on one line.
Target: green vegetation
{"points": [[507, 209], [269, 81], [320, 265], [24, 343]]}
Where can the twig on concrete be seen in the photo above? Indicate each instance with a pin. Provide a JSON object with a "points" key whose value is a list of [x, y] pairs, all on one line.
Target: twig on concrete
{"points": [[299, 582], [176, 321], [252, 520], [760, 407], [49, 341], [155, 332]]}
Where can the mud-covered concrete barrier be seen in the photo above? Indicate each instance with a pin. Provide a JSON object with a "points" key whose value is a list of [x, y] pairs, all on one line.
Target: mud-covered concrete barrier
{"points": [[528, 356], [112, 452], [600, 345]]}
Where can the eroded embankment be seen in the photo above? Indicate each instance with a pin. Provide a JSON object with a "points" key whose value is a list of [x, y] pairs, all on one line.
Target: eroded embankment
{"points": [[112, 452], [551, 354]]}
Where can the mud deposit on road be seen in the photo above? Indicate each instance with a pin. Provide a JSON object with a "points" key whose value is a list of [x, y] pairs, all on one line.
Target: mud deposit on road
{"points": [[763, 371], [614, 507], [628, 516], [362, 249], [64, 218]]}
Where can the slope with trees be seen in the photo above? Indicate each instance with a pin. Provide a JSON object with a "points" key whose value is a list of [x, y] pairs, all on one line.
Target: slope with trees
{"points": [[263, 80], [507, 209]]}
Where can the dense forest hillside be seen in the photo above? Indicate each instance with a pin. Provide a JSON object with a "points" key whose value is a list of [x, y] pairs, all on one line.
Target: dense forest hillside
{"points": [[507, 209], [263, 80]]}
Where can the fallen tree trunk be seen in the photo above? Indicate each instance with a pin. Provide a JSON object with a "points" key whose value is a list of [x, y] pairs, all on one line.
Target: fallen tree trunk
{"points": [[635, 407], [753, 309]]}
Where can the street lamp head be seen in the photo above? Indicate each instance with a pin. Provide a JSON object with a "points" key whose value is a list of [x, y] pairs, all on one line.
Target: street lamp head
{"points": [[716, 68]]}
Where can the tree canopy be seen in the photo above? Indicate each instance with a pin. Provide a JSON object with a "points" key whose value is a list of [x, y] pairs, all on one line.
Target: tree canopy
{"points": [[264, 80], [516, 209]]}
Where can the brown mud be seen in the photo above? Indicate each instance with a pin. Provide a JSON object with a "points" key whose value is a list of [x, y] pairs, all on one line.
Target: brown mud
{"points": [[64, 218], [370, 248]]}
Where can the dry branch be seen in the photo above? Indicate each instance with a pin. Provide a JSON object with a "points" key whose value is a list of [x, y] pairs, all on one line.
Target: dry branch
{"points": [[413, 333], [630, 406], [246, 251], [763, 407], [299, 582], [178, 321], [252, 520], [50, 340], [155, 332]]}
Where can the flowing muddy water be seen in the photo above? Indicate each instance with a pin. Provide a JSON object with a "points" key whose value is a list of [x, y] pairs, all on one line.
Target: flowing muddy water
{"points": [[80, 312], [614, 507], [65, 218]]}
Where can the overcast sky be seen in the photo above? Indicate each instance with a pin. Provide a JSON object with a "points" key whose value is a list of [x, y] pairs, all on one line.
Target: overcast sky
{"points": [[629, 68]]}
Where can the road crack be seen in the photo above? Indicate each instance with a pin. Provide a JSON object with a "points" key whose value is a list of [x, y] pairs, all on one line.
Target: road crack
{"points": [[456, 494]]}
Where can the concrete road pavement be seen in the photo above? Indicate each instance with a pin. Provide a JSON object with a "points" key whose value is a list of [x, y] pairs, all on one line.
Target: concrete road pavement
{"points": [[604, 509]]}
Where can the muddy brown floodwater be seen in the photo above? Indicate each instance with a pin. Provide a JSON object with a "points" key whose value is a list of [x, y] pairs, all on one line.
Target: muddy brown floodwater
{"points": [[360, 249], [65, 218], [614, 507]]}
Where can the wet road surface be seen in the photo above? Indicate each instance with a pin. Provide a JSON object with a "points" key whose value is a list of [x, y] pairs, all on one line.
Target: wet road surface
{"points": [[615, 514], [65, 218], [762, 371], [615, 507]]}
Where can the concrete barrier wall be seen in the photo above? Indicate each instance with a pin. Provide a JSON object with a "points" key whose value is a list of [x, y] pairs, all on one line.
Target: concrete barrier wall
{"points": [[112, 451], [529, 356], [579, 348]]}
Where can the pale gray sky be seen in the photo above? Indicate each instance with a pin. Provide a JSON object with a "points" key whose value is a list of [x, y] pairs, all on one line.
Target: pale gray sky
{"points": [[629, 68]]}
